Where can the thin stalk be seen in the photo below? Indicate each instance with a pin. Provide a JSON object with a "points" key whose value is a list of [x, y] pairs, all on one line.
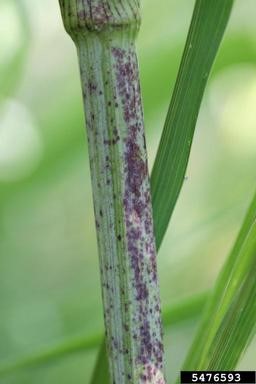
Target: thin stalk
{"points": [[104, 33]]}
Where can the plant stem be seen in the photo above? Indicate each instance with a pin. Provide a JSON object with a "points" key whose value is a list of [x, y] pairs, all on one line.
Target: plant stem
{"points": [[104, 33]]}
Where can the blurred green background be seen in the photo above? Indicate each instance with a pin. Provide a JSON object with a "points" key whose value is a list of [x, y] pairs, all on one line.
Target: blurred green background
{"points": [[49, 279]]}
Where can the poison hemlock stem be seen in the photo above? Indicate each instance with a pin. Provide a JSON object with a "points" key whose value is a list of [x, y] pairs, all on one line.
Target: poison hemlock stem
{"points": [[104, 32]]}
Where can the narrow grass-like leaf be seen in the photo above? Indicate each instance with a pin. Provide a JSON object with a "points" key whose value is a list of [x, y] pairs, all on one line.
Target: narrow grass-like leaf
{"points": [[230, 316], [238, 326], [186, 309], [205, 33]]}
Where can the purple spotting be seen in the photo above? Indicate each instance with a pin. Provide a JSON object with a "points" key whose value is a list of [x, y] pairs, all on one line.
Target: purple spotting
{"points": [[138, 218], [122, 200], [95, 15]]}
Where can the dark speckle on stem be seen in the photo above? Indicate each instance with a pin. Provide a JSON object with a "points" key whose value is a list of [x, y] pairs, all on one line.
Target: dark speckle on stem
{"points": [[138, 215], [122, 201]]}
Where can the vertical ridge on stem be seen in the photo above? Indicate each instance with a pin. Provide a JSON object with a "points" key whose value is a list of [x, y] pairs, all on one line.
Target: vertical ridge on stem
{"points": [[104, 33]]}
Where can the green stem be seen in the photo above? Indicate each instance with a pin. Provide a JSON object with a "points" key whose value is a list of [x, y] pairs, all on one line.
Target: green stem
{"points": [[104, 33]]}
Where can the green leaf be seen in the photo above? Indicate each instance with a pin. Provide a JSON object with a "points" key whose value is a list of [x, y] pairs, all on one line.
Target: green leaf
{"points": [[230, 316], [205, 33], [100, 372], [206, 30], [174, 313]]}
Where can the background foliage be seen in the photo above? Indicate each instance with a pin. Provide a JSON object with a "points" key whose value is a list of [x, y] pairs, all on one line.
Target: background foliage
{"points": [[49, 280]]}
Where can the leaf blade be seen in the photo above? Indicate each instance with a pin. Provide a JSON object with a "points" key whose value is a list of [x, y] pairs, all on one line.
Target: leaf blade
{"points": [[206, 30], [221, 339]]}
